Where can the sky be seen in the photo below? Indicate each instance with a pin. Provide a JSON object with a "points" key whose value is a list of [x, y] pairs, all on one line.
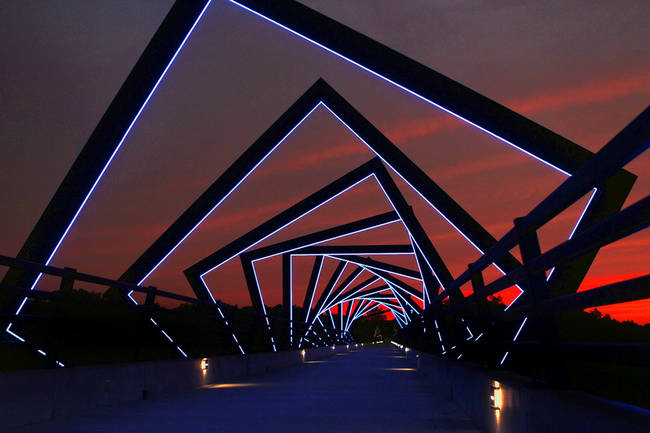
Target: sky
{"points": [[579, 68]]}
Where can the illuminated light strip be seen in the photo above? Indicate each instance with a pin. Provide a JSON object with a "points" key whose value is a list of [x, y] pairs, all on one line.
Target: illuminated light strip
{"points": [[360, 313], [390, 307], [504, 358], [101, 174], [479, 336], [384, 190], [403, 305], [470, 333], [153, 321], [289, 223], [303, 246], [398, 294], [396, 84], [408, 91], [21, 339], [321, 324], [41, 352], [327, 240], [119, 145], [425, 290], [405, 180], [221, 201], [347, 320], [430, 268], [368, 309], [273, 342], [418, 191], [223, 318], [330, 292], [364, 309], [166, 335], [209, 293], [390, 285], [520, 328], [311, 301], [259, 290], [376, 292], [426, 200], [380, 269], [329, 305], [181, 350], [311, 210], [303, 37], [232, 190], [352, 253], [361, 306], [575, 227]]}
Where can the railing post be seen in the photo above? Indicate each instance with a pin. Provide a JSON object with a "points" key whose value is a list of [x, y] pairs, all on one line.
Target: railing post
{"points": [[535, 283], [151, 296], [529, 247], [477, 278], [67, 281]]}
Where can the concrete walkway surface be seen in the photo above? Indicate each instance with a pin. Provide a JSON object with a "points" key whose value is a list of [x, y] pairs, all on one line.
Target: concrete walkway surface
{"points": [[369, 390]]}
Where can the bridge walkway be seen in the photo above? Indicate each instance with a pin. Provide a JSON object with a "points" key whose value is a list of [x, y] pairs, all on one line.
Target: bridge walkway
{"points": [[369, 390]]}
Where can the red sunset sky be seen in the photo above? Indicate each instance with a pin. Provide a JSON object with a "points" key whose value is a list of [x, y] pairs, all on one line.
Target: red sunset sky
{"points": [[580, 68]]}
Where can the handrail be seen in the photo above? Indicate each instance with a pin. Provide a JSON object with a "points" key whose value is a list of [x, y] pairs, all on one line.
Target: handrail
{"points": [[633, 140]]}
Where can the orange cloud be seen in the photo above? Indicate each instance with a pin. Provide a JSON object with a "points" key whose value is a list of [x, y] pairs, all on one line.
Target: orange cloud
{"points": [[560, 99], [587, 94]]}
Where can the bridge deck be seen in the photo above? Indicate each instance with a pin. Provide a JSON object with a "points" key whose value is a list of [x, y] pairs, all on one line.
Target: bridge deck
{"points": [[371, 390]]}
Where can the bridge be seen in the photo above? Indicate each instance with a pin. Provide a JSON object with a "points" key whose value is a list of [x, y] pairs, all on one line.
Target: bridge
{"points": [[458, 362]]}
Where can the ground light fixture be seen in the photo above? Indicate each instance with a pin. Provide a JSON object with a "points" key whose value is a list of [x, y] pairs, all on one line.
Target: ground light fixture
{"points": [[496, 395]]}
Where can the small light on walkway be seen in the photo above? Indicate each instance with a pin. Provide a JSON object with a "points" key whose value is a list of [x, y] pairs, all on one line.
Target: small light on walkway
{"points": [[496, 399]]}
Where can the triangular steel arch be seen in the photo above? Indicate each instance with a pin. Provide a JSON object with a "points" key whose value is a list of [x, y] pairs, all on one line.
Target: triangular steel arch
{"points": [[417, 79]]}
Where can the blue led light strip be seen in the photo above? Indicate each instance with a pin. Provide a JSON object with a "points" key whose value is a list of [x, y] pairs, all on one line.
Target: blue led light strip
{"points": [[426, 100], [119, 145]]}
